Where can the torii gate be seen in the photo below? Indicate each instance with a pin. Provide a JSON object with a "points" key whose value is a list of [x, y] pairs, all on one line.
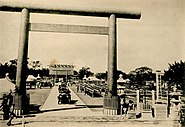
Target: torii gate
{"points": [[111, 101]]}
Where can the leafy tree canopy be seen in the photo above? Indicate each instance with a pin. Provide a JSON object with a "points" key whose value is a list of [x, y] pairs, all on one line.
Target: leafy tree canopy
{"points": [[84, 71], [140, 75], [11, 68], [176, 75], [101, 76]]}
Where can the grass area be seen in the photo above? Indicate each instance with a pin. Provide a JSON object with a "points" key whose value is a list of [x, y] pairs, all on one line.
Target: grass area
{"points": [[38, 96], [95, 104]]}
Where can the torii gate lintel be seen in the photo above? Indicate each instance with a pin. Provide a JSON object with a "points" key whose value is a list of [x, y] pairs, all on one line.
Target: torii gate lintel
{"points": [[59, 8]]}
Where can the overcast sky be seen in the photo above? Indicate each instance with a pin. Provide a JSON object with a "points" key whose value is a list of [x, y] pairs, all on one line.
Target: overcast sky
{"points": [[155, 40]]}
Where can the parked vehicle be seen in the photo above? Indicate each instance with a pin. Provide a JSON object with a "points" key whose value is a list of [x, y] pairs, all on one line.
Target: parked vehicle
{"points": [[64, 96]]}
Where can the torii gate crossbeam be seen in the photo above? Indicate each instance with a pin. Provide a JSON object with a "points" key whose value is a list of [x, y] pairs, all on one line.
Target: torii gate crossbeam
{"points": [[111, 101], [59, 8]]}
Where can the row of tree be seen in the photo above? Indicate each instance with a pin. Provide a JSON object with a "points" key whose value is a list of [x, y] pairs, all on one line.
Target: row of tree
{"points": [[175, 74], [33, 68]]}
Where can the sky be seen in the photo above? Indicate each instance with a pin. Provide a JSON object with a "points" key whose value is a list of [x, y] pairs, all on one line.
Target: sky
{"points": [[153, 41]]}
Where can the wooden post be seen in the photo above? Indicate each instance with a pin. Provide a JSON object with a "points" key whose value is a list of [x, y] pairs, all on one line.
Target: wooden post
{"points": [[153, 97], [138, 105]]}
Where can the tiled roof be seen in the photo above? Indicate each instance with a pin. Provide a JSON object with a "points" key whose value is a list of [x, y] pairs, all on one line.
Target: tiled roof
{"points": [[61, 66]]}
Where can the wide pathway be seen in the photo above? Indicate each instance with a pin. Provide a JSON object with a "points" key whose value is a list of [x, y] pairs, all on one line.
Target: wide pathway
{"points": [[52, 108]]}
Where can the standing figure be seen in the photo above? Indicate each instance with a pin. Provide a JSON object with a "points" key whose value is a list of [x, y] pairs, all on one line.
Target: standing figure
{"points": [[131, 105], [4, 106], [124, 108], [11, 106], [12, 114], [78, 87]]}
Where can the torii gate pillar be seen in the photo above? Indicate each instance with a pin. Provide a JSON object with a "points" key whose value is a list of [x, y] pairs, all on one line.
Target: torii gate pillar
{"points": [[111, 100], [112, 57], [21, 99]]}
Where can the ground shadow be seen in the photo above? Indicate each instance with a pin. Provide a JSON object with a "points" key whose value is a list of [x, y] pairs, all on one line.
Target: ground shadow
{"points": [[73, 101], [34, 108], [19, 123], [59, 109], [94, 106]]}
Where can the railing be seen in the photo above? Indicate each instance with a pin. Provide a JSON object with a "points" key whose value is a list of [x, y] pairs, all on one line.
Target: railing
{"points": [[146, 107], [90, 89]]}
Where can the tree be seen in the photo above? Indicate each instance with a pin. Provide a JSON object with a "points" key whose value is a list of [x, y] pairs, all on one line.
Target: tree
{"points": [[133, 77], [84, 71], [143, 74], [2, 70], [11, 69], [75, 72], [176, 75], [36, 65], [140, 75], [101, 76], [33, 69]]}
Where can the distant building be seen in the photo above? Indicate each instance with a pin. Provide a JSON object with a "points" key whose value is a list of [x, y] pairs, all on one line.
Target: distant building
{"points": [[61, 71]]}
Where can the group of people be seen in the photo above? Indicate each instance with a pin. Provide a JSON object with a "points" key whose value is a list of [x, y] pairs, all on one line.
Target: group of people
{"points": [[44, 83], [7, 106]]}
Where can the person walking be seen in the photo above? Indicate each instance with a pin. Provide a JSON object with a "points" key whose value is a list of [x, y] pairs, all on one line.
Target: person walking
{"points": [[12, 115], [4, 107], [11, 106]]}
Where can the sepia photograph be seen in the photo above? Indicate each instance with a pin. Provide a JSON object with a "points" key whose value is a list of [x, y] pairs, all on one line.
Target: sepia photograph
{"points": [[92, 63]]}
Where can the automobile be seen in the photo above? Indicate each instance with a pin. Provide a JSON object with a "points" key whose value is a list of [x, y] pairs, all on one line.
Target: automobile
{"points": [[64, 98], [63, 89]]}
